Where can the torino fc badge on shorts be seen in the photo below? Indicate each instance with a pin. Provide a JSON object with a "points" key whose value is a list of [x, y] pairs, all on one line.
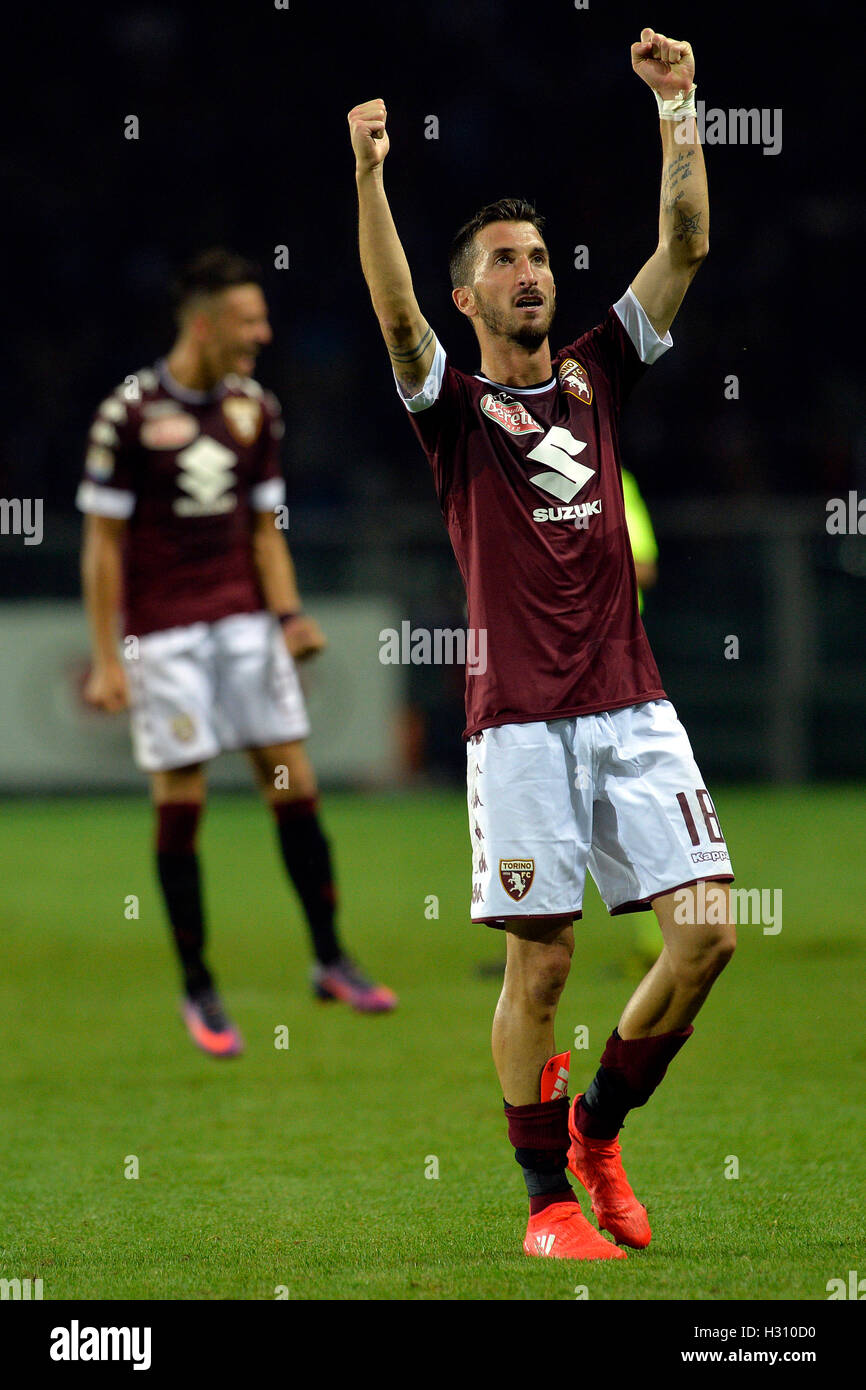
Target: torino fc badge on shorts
{"points": [[243, 417], [516, 877], [183, 728]]}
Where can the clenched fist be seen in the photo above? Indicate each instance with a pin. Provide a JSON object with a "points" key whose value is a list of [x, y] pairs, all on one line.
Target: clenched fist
{"points": [[106, 687], [304, 638], [666, 65], [369, 137]]}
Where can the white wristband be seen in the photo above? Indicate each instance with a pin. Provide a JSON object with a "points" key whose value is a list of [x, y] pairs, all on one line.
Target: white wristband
{"points": [[683, 104]]}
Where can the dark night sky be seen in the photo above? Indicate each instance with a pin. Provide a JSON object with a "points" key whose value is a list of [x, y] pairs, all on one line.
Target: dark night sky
{"points": [[243, 139]]}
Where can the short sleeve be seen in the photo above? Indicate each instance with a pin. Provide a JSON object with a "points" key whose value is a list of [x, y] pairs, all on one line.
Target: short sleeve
{"points": [[267, 487], [622, 346], [108, 485], [436, 413]]}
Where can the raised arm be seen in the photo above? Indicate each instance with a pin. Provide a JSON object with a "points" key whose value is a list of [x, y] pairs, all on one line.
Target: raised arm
{"points": [[408, 336], [668, 67]]}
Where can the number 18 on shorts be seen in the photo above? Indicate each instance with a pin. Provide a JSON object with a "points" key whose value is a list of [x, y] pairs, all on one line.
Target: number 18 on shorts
{"points": [[618, 793]]}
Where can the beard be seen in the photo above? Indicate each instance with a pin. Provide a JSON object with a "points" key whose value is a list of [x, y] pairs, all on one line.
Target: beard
{"points": [[530, 336]]}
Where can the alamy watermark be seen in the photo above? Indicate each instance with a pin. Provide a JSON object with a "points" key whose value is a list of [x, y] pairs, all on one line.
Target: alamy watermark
{"points": [[20, 1289], [77, 1343], [707, 905], [846, 516], [854, 1288], [736, 126], [439, 646], [22, 516]]}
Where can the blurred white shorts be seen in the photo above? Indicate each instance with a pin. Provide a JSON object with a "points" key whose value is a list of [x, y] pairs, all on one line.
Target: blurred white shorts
{"points": [[617, 793], [205, 689]]}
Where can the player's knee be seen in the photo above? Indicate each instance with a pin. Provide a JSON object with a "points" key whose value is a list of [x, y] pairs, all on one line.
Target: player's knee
{"points": [[721, 949], [545, 980], [702, 967]]}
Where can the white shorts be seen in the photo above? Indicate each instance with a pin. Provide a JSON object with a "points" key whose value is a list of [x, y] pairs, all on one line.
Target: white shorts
{"points": [[618, 793], [205, 689]]}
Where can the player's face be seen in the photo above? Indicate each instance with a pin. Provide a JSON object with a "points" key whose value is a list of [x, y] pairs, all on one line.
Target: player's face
{"points": [[235, 331], [513, 292]]}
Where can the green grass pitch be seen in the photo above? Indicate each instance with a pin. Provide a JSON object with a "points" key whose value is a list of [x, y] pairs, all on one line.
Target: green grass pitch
{"points": [[304, 1170]]}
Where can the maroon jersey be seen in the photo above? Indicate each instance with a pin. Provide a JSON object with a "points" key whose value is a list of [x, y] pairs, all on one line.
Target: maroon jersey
{"points": [[187, 470], [529, 483]]}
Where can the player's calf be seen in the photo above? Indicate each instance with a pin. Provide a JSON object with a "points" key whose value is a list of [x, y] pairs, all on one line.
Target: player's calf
{"points": [[700, 940], [535, 975]]}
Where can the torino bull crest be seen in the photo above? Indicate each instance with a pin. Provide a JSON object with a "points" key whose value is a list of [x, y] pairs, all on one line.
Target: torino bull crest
{"points": [[516, 877]]}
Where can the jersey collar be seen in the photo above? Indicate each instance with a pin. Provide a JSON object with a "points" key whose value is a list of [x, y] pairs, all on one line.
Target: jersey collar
{"points": [[184, 393], [518, 390]]}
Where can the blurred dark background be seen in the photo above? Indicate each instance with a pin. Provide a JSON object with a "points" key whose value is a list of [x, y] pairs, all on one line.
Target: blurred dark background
{"points": [[243, 140]]}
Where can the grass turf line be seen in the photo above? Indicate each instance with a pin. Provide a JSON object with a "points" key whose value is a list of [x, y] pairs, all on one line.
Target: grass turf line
{"points": [[304, 1168]]}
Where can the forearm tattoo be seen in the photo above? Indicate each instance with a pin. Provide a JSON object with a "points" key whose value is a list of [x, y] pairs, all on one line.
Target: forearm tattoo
{"points": [[685, 228], [676, 172], [414, 353]]}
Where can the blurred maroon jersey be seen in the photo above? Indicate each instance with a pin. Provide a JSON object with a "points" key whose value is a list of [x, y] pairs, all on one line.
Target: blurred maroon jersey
{"points": [[529, 483], [187, 470]]}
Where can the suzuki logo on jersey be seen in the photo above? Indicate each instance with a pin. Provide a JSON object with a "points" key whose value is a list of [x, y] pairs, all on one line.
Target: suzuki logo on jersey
{"points": [[574, 380], [510, 414], [578, 511], [205, 473], [558, 450]]}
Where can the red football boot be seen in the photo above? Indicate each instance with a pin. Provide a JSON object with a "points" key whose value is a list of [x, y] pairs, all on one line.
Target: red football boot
{"points": [[596, 1163], [208, 1026], [345, 982], [562, 1232]]}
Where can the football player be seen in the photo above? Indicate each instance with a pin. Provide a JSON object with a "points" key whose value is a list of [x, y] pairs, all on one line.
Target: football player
{"points": [[576, 759], [182, 495]]}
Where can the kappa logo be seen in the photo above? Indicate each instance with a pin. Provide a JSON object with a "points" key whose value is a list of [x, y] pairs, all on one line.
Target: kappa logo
{"points": [[103, 432], [99, 463], [205, 473], [516, 877], [574, 381], [510, 414], [243, 417], [544, 1244], [114, 410]]}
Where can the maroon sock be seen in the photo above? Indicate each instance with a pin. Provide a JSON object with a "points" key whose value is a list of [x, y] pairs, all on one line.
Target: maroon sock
{"points": [[630, 1070], [307, 858], [539, 1134], [178, 871]]}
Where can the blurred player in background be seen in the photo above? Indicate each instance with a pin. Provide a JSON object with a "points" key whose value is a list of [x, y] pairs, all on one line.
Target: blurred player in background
{"points": [[644, 549], [647, 940], [182, 491], [576, 758]]}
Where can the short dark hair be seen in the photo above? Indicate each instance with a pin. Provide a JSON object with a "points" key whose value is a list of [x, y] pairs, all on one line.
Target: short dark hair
{"points": [[210, 272], [462, 259]]}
